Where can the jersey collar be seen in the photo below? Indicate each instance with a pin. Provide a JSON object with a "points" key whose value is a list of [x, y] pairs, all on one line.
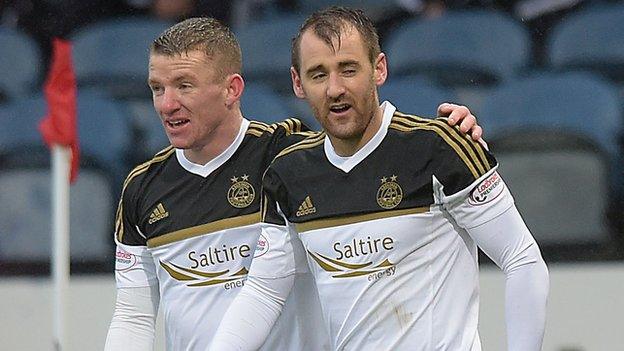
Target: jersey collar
{"points": [[346, 164], [205, 170]]}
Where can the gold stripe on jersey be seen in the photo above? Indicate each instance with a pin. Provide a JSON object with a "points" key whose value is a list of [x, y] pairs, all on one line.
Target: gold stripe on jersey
{"points": [[259, 128], [291, 125], [335, 222], [168, 268], [472, 147], [317, 138], [159, 157], [469, 151], [202, 229], [457, 149]]}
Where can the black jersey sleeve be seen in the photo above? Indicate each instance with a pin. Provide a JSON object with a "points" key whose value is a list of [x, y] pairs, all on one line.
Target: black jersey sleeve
{"points": [[289, 132], [457, 161], [273, 195], [126, 231]]}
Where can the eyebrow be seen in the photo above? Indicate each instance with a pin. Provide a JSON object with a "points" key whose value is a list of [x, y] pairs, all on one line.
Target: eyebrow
{"points": [[347, 63], [341, 64], [316, 68], [176, 79]]}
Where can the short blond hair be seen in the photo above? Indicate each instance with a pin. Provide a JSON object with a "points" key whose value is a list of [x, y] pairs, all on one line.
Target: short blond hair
{"points": [[205, 34]]}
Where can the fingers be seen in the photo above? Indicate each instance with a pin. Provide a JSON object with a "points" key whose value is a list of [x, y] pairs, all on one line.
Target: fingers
{"points": [[445, 109], [455, 114], [484, 144], [461, 114], [476, 134]]}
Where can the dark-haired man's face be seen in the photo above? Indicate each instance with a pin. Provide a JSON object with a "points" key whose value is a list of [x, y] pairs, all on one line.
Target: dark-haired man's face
{"points": [[340, 83]]}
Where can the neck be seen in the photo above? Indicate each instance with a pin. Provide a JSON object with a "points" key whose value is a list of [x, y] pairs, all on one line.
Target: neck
{"points": [[348, 147], [218, 141]]}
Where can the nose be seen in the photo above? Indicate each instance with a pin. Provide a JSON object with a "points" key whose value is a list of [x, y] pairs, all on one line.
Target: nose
{"points": [[335, 86], [168, 102]]}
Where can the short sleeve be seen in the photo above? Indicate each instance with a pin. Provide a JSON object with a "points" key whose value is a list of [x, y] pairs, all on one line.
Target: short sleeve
{"points": [[126, 231], [457, 161], [273, 197]]}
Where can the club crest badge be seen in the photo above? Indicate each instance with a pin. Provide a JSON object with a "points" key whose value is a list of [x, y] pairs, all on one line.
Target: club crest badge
{"points": [[241, 194], [390, 193]]}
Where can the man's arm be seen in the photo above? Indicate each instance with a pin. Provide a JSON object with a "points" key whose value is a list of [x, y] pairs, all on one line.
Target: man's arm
{"points": [[133, 325], [490, 217], [508, 242], [249, 319], [136, 307]]}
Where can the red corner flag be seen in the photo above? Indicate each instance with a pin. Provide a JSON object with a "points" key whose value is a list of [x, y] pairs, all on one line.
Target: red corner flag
{"points": [[59, 126]]}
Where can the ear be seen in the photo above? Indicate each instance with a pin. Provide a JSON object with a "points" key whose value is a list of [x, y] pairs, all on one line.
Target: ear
{"points": [[235, 87], [381, 69], [296, 83]]}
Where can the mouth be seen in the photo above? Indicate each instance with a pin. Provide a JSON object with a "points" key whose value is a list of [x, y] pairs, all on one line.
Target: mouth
{"points": [[339, 108], [176, 123]]}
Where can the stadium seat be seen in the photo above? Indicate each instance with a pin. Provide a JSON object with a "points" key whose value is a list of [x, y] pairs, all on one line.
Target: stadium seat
{"points": [[26, 222], [20, 64], [415, 95], [460, 48], [591, 39], [25, 179], [555, 137], [103, 127], [579, 102], [114, 54], [151, 135], [261, 103], [266, 51]]}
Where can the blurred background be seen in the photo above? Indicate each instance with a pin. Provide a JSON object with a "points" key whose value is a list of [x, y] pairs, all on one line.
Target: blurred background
{"points": [[544, 77]]}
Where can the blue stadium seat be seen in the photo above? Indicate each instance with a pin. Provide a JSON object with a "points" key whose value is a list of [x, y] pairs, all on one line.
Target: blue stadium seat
{"points": [[103, 127], [261, 103], [20, 64], [25, 225], [578, 102], [152, 137], [26, 218], [460, 48], [266, 50], [415, 95], [555, 137], [590, 39], [114, 55]]}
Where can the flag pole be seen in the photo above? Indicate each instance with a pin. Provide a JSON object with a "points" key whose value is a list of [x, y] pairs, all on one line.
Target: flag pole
{"points": [[61, 159]]}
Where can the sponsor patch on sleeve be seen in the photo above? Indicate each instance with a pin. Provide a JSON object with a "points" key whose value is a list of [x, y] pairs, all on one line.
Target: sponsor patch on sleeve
{"points": [[489, 189], [124, 260], [262, 246]]}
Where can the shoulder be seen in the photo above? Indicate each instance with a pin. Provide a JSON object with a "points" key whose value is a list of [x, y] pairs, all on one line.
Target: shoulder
{"points": [[445, 143], [290, 126], [279, 135], [134, 178], [313, 141]]}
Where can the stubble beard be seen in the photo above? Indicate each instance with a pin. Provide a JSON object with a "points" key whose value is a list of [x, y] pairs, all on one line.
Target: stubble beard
{"points": [[355, 128]]}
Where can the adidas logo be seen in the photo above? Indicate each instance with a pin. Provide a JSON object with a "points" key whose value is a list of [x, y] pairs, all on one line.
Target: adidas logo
{"points": [[158, 214], [306, 207]]}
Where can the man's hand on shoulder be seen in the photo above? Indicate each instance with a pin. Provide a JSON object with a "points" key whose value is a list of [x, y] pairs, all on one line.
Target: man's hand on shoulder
{"points": [[467, 121]]}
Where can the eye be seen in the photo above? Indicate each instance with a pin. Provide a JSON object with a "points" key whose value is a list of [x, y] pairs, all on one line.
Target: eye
{"points": [[318, 76], [156, 89], [185, 86], [349, 72]]}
